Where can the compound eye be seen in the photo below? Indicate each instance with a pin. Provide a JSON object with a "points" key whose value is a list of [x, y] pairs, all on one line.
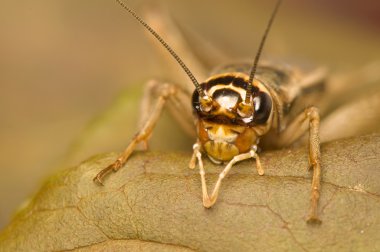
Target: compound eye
{"points": [[195, 101], [263, 107]]}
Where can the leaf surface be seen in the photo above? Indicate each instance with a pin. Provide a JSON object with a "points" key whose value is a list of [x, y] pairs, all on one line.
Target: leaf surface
{"points": [[154, 204]]}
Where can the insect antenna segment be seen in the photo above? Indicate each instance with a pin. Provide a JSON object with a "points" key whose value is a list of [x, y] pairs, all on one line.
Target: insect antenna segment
{"points": [[168, 48], [258, 54]]}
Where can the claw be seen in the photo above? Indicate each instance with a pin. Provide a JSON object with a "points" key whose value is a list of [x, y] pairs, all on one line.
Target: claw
{"points": [[207, 203], [192, 162], [98, 180], [192, 166], [313, 220]]}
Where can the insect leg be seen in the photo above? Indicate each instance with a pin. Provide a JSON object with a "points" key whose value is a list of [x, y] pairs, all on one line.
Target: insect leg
{"points": [[194, 157], [165, 92], [209, 201], [308, 119], [198, 155]]}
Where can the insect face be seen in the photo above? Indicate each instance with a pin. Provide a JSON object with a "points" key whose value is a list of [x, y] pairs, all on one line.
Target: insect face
{"points": [[224, 129]]}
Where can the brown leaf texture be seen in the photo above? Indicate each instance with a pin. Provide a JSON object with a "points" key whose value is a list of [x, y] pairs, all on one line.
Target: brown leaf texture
{"points": [[154, 203]]}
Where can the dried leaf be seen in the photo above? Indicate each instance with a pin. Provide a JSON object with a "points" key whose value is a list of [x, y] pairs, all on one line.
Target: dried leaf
{"points": [[154, 203]]}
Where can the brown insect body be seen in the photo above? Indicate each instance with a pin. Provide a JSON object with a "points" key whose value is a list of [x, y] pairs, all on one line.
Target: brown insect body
{"points": [[236, 107]]}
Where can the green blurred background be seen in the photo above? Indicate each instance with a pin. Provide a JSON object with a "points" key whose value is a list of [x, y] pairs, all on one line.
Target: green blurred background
{"points": [[64, 62]]}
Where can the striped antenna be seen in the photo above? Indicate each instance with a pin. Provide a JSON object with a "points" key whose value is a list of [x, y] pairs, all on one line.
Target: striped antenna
{"points": [[167, 47], [258, 54]]}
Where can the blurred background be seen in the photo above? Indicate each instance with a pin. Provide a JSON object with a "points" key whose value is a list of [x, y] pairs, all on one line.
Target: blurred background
{"points": [[64, 64]]}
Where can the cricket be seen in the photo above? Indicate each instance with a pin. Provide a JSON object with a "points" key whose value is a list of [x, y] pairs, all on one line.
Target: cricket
{"points": [[238, 110]]}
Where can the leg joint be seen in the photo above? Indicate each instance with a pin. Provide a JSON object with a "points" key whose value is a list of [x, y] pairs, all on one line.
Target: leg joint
{"points": [[157, 89], [312, 112]]}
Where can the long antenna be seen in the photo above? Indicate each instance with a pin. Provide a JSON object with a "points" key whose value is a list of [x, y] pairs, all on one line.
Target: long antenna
{"points": [[170, 50], [258, 54]]}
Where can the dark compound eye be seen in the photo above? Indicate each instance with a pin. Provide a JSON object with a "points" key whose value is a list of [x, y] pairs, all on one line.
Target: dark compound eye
{"points": [[263, 107], [195, 101]]}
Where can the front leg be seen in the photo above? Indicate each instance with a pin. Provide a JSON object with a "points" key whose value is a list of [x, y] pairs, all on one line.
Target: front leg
{"points": [[152, 115], [209, 201], [308, 119]]}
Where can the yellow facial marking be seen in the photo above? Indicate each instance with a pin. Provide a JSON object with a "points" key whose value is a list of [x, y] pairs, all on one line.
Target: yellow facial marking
{"points": [[222, 151], [221, 134]]}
